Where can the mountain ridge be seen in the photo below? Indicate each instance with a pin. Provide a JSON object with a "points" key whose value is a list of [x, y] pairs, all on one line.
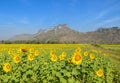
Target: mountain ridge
{"points": [[62, 33]]}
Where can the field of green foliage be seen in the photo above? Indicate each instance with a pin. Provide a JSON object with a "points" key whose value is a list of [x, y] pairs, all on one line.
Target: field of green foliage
{"points": [[114, 52], [59, 63]]}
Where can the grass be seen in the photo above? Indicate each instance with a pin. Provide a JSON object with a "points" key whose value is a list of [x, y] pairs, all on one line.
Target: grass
{"points": [[113, 51]]}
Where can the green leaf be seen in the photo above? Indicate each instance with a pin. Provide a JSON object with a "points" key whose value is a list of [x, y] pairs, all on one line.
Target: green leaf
{"points": [[58, 74], [63, 80], [75, 72], [15, 79], [63, 70], [24, 76], [34, 78], [71, 80], [77, 81], [53, 72], [84, 71], [68, 74], [35, 68], [5, 78], [50, 78], [29, 72], [59, 67], [45, 81]]}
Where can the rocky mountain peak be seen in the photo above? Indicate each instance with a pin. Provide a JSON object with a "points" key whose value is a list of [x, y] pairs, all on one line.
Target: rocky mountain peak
{"points": [[62, 33]]}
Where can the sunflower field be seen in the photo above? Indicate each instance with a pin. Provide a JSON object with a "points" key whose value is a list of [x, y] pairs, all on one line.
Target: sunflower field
{"points": [[54, 63]]}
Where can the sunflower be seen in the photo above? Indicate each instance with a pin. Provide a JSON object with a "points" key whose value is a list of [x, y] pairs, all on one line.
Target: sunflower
{"points": [[19, 51], [99, 73], [54, 58], [31, 50], [69, 60], [62, 56], [77, 58], [16, 59], [7, 67], [92, 56], [78, 49], [36, 53], [30, 57], [85, 53], [52, 53], [24, 50]]}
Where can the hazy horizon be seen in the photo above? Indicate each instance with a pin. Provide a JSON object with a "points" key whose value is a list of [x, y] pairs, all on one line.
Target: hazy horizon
{"points": [[29, 16]]}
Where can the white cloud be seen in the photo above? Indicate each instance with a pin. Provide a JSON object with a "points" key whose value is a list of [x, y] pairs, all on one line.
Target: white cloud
{"points": [[110, 8], [111, 20], [102, 14], [108, 21]]}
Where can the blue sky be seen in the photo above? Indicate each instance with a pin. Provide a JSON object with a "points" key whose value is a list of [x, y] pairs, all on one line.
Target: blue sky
{"points": [[28, 16]]}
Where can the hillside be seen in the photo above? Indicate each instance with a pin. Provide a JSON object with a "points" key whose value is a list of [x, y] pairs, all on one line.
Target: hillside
{"points": [[62, 33], [22, 37]]}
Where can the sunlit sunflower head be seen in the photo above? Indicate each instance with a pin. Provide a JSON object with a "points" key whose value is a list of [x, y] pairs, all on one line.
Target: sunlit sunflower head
{"points": [[99, 73], [78, 49], [31, 57], [19, 51], [69, 60], [86, 53], [54, 58], [77, 58], [16, 59], [7, 67], [52, 53], [64, 54], [36, 53], [31, 50], [92, 56], [61, 57], [24, 50]]}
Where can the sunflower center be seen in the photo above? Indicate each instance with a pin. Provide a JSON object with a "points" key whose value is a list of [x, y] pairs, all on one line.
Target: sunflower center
{"points": [[8, 66], [24, 50], [17, 58], [31, 57], [53, 53], [77, 58], [100, 72], [92, 56], [54, 57]]}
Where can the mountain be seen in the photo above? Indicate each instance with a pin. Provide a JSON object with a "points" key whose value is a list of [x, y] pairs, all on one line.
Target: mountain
{"points": [[22, 37], [62, 33]]}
